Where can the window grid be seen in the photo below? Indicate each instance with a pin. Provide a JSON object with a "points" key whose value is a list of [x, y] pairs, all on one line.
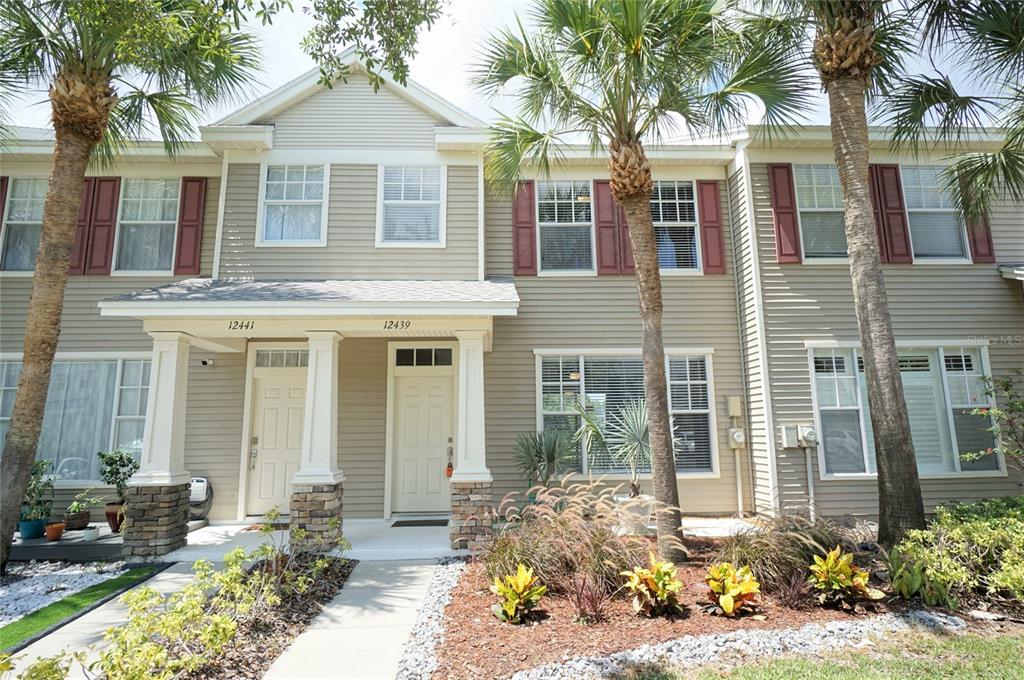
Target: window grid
{"points": [[674, 213], [282, 358], [565, 225], [411, 205], [819, 200], [23, 222], [293, 204], [147, 224], [936, 232]]}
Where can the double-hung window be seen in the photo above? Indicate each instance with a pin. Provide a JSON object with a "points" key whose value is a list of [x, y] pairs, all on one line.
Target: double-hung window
{"points": [[23, 223], [146, 226], [942, 386], [936, 232], [674, 213], [612, 388], [411, 206], [819, 200], [92, 405], [565, 226], [295, 205]]}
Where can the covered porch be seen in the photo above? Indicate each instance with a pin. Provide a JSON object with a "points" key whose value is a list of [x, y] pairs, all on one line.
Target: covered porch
{"points": [[294, 336]]}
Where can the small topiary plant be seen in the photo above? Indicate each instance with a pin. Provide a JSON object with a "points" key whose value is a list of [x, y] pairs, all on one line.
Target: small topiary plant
{"points": [[655, 588], [520, 594], [840, 582], [733, 591]]}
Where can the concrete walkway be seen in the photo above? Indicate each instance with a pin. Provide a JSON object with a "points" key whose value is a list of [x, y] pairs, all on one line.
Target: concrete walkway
{"points": [[361, 633], [87, 630]]}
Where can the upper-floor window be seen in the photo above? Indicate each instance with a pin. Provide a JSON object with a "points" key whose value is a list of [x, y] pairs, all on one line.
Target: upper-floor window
{"points": [[942, 386], [294, 205], [23, 223], [674, 213], [936, 232], [411, 206], [819, 199], [146, 225], [565, 226]]}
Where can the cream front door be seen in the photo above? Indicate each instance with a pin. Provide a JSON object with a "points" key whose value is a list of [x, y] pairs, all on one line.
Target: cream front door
{"points": [[423, 436], [278, 407]]}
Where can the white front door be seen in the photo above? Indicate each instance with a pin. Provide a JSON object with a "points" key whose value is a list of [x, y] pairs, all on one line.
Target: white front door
{"points": [[422, 439], [278, 406]]}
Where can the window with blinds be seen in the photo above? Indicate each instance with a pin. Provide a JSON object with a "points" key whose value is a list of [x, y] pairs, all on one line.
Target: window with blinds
{"points": [[607, 385], [819, 199], [935, 230], [411, 205], [674, 213], [565, 226]]}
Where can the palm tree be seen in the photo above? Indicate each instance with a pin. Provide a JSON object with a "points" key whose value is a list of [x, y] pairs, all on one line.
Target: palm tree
{"points": [[618, 72], [857, 48], [112, 68]]}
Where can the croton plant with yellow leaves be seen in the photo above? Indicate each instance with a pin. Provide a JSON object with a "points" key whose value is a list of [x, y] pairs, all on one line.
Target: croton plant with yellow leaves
{"points": [[733, 591]]}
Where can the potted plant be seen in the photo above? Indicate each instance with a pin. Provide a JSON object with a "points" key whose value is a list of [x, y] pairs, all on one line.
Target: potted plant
{"points": [[91, 533], [542, 456], [54, 530], [116, 468], [76, 516], [38, 502], [625, 436]]}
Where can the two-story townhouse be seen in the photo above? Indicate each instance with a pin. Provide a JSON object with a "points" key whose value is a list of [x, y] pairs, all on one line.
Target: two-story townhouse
{"points": [[957, 309], [323, 306]]}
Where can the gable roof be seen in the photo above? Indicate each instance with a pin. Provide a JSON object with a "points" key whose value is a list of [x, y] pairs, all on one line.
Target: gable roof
{"points": [[309, 84]]}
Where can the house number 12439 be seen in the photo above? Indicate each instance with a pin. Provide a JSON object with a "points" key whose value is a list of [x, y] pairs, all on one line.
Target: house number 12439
{"points": [[396, 324], [247, 325]]}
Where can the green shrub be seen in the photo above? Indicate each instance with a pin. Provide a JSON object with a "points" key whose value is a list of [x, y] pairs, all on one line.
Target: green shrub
{"points": [[655, 588], [519, 592], [975, 548], [839, 581], [779, 550]]}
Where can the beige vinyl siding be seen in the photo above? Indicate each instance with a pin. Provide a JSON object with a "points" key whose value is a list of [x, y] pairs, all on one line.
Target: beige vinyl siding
{"points": [[352, 115], [350, 252], [750, 340], [82, 328], [928, 303], [362, 422], [602, 312]]}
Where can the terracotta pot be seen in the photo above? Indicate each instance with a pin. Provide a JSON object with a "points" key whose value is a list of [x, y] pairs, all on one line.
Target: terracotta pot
{"points": [[115, 516], [75, 521], [54, 531]]}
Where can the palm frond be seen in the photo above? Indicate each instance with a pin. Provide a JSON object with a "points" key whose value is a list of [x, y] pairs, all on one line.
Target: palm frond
{"points": [[930, 108], [977, 180], [513, 143]]}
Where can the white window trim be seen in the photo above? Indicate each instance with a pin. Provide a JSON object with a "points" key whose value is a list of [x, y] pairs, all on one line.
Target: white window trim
{"points": [[120, 357], [593, 234], [114, 270], [262, 203], [670, 352], [804, 258], [937, 345], [12, 273], [442, 219], [697, 237], [910, 235]]}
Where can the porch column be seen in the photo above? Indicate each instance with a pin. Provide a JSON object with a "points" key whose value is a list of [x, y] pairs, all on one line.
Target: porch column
{"points": [[315, 505], [471, 480], [156, 514]]}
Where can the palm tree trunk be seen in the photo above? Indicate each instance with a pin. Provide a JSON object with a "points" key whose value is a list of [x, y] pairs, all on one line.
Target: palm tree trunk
{"points": [[42, 329], [663, 464], [900, 506]]}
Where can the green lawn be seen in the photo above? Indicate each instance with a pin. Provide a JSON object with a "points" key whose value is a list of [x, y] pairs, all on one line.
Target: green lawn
{"points": [[910, 657], [55, 612]]}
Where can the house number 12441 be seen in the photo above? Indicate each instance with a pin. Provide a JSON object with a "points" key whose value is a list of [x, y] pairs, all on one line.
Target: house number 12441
{"points": [[247, 325], [396, 324]]}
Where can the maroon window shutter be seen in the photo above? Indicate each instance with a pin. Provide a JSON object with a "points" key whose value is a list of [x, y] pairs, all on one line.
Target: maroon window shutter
{"points": [[190, 225], [784, 218], [876, 203], [78, 249], [980, 236], [625, 246], [100, 253], [3, 195], [895, 230], [606, 223], [524, 231], [712, 238]]}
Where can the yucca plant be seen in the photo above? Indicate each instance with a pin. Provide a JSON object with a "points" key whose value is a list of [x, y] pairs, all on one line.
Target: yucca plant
{"points": [[543, 456], [624, 434]]}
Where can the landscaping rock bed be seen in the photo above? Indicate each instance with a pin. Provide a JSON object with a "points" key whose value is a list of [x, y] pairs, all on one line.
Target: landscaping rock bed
{"points": [[747, 645], [419, 658], [33, 585]]}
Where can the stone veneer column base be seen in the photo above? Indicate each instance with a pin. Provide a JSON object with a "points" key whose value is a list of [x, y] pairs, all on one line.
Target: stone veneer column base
{"points": [[156, 520], [312, 508], [470, 525]]}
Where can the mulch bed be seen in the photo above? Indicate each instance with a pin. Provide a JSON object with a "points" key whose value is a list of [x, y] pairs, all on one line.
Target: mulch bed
{"points": [[478, 645], [258, 643]]}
